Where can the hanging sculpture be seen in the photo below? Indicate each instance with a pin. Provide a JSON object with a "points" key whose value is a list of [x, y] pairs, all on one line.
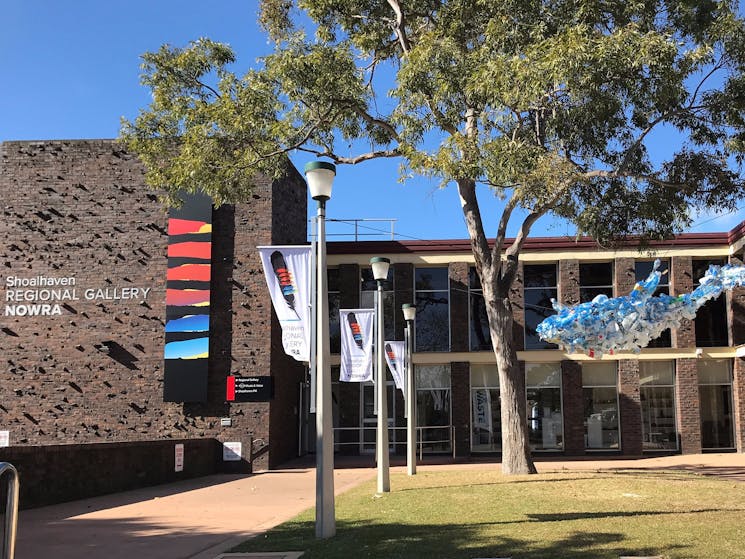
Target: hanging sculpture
{"points": [[630, 322]]}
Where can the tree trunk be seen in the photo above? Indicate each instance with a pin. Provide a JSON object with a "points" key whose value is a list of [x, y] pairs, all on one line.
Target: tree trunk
{"points": [[515, 445]]}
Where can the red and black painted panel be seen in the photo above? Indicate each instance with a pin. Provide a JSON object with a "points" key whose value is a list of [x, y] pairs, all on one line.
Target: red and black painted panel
{"points": [[188, 300]]}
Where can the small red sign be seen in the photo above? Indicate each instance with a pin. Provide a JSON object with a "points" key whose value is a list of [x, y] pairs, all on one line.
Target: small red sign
{"points": [[230, 393]]}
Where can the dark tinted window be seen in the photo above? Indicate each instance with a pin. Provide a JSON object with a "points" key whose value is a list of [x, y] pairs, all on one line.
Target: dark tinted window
{"points": [[711, 319], [540, 288]]}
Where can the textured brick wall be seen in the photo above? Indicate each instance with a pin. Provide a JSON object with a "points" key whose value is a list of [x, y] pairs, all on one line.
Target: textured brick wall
{"points": [[517, 300], [94, 374], [569, 282], [458, 272], [630, 407], [460, 384], [681, 281], [688, 414], [736, 310], [739, 402], [573, 405], [624, 276]]}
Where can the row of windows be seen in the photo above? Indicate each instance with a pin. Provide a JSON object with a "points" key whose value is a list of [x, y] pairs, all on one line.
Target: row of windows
{"points": [[432, 298]]}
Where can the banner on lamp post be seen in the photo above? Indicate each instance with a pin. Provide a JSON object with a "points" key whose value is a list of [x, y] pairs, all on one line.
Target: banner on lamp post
{"points": [[356, 345], [394, 356], [288, 274]]}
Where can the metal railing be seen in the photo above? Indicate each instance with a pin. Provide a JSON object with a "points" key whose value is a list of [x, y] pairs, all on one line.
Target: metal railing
{"points": [[11, 510], [421, 442]]}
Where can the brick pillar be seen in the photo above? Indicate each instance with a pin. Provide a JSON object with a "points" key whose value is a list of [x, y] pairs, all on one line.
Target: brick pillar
{"points": [[458, 273], [517, 300], [403, 281], [574, 428], [739, 402], [681, 281], [569, 282], [460, 388], [630, 407], [624, 277], [687, 411], [736, 310]]}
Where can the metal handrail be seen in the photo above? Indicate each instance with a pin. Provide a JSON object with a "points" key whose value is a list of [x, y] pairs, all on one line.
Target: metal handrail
{"points": [[420, 440], [11, 510]]}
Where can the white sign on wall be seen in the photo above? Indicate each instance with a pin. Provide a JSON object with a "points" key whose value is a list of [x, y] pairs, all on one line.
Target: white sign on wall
{"points": [[179, 458], [231, 452], [4, 438]]}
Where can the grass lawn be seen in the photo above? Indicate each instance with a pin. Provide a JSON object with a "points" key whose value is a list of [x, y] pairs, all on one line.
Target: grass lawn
{"points": [[577, 515]]}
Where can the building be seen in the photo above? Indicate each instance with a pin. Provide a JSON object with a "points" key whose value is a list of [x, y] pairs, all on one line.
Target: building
{"points": [[82, 389]]}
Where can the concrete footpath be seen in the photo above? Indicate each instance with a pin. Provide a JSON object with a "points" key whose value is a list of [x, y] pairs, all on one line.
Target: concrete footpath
{"points": [[199, 519]]}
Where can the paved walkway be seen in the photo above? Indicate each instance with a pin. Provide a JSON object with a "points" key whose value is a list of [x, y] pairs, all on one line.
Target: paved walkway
{"points": [[199, 519]]}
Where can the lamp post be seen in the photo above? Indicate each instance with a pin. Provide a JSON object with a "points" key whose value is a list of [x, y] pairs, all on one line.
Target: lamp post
{"points": [[320, 176], [409, 316], [380, 273]]}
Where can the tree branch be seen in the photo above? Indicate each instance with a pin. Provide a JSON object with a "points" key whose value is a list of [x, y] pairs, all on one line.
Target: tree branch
{"points": [[399, 27], [472, 216]]}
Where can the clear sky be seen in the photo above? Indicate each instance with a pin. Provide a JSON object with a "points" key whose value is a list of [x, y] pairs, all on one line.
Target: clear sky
{"points": [[70, 70]]}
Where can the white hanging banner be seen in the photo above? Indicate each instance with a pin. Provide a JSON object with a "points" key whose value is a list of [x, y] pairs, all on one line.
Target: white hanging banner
{"points": [[356, 345], [394, 356], [288, 274]]}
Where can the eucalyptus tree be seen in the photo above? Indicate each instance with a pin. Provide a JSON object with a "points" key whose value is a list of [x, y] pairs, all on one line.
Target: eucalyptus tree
{"points": [[551, 104]]}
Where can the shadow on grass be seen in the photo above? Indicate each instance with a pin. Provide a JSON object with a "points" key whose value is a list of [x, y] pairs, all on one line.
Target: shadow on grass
{"points": [[568, 516], [453, 541]]}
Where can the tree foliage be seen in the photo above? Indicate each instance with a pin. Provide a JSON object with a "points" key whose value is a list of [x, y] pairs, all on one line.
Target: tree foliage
{"points": [[553, 104]]}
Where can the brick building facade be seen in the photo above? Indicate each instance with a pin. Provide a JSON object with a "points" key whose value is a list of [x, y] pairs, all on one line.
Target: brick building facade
{"points": [[82, 389]]}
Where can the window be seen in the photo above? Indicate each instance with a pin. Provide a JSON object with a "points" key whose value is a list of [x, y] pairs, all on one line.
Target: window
{"points": [[433, 406], [643, 269], [432, 295], [479, 337], [334, 306], [600, 394], [595, 278], [711, 319], [540, 288], [368, 290], [715, 398], [486, 423], [657, 392], [543, 387]]}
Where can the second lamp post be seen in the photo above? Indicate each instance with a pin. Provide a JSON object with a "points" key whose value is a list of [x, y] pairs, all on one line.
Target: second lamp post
{"points": [[380, 273]]}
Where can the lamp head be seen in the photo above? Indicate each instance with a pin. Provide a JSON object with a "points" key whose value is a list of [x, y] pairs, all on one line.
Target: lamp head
{"points": [[320, 176], [380, 267], [409, 311]]}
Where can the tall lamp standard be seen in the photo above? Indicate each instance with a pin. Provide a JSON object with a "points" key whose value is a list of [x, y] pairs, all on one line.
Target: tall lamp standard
{"points": [[380, 273], [320, 176], [409, 316]]}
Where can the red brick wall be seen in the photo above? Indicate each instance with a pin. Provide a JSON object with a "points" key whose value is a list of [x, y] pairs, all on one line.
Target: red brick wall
{"points": [[458, 272], [569, 282], [630, 407], [460, 386], [681, 281], [573, 404], [687, 402], [739, 402]]}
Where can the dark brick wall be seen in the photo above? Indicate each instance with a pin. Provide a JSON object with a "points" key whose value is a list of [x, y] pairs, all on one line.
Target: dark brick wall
{"points": [[624, 276], [460, 384], [80, 209], [681, 281], [569, 282], [688, 413], [458, 273], [125, 465], [738, 389], [630, 407], [574, 427]]}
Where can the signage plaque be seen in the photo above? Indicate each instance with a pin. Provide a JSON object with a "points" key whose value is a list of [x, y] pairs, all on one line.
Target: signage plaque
{"points": [[249, 389]]}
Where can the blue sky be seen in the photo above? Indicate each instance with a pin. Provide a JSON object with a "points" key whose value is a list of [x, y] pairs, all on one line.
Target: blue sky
{"points": [[71, 71]]}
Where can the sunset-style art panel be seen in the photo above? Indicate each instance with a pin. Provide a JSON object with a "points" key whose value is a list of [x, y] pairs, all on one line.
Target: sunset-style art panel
{"points": [[188, 300], [189, 323], [194, 272]]}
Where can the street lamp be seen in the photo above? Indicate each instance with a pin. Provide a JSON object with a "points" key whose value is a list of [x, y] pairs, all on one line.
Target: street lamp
{"points": [[320, 176], [409, 316], [380, 273]]}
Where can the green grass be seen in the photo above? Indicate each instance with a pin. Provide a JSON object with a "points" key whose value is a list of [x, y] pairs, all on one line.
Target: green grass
{"points": [[580, 515]]}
